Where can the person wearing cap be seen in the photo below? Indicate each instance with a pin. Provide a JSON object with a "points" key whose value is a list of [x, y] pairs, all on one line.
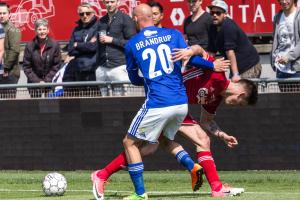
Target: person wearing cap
{"points": [[227, 38], [285, 55]]}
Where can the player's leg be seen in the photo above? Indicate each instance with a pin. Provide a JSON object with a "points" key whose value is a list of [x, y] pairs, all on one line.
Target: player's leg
{"points": [[115, 165], [99, 177], [175, 149], [202, 141], [135, 167], [186, 161], [146, 126], [118, 163]]}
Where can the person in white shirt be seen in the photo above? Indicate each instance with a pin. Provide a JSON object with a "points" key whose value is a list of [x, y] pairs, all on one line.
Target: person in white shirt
{"points": [[285, 56]]}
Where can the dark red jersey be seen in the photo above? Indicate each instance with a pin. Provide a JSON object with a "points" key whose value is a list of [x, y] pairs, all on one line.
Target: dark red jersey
{"points": [[204, 87]]}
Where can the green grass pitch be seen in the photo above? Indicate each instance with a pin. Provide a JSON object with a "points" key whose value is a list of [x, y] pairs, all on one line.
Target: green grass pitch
{"points": [[164, 185]]}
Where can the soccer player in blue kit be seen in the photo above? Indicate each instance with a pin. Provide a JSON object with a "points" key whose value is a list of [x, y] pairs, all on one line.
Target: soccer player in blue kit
{"points": [[150, 52], [166, 101], [165, 106]]}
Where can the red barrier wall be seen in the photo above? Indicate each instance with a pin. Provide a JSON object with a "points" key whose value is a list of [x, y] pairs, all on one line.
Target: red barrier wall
{"points": [[254, 16]]}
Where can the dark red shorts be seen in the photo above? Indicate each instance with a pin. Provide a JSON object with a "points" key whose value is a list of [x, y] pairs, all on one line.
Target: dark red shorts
{"points": [[189, 120]]}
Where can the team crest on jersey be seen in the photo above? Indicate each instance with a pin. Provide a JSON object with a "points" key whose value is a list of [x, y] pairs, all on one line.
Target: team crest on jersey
{"points": [[202, 95], [149, 33]]}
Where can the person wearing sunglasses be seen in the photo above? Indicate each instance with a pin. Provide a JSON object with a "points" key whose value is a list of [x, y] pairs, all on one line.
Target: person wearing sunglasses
{"points": [[115, 29], [82, 47], [227, 38]]}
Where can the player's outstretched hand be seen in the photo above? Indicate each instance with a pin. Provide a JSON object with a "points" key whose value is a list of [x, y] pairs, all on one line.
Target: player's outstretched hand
{"points": [[221, 65], [231, 141], [182, 54]]}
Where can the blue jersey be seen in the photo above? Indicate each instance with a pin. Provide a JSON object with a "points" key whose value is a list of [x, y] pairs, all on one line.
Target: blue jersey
{"points": [[150, 52]]}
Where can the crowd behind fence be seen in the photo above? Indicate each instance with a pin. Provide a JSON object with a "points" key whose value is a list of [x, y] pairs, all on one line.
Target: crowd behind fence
{"points": [[118, 89]]}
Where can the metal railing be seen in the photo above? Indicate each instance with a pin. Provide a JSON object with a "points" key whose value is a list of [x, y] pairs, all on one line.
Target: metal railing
{"points": [[91, 89], [278, 85], [97, 89]]}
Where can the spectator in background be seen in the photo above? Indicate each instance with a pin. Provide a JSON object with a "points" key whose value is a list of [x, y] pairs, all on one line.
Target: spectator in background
{"points": [[2, 36], [158, 13], [115, 29], [82, 47], [197, 25], [12, 40], [227, 38], [41, 57], [285, 56]]}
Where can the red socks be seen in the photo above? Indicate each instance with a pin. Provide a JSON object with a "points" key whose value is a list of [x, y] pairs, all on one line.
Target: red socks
{"points": [[206, 160], [115, 165]]}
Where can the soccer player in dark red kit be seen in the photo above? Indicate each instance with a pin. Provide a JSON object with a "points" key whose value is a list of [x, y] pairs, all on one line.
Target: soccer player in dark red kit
{"points": [[209, 89]]}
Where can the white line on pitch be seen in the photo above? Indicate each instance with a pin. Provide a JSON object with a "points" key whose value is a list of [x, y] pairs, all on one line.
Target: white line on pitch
{"points": [[151, 192]]}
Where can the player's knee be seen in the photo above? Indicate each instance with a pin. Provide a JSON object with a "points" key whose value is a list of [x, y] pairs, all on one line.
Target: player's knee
{"points": [[204, 140], [125, 142]]}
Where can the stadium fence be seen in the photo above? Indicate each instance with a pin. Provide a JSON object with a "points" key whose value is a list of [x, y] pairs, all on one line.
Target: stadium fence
{"points": [[92, 89]]}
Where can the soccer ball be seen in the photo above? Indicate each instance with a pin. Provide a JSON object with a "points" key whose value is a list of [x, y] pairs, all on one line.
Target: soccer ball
{"points": [[54, 184]]}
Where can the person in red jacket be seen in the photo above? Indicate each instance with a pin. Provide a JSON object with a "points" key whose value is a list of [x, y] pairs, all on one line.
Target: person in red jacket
{"points": [[42, 57]]}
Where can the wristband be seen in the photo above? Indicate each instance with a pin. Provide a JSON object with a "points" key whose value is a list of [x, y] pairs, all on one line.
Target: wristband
{"points": [[236, 74]]}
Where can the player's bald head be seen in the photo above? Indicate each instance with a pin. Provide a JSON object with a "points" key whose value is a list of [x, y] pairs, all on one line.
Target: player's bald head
{"points": [[143, 13]]}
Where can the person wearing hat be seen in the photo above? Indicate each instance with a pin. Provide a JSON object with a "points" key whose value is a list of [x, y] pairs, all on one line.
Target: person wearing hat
{"points": [[227, 38]]}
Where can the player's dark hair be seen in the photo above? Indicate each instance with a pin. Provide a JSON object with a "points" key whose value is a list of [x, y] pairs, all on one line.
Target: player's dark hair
{"points": [[251, 91], [3, 4], [156, 4]]}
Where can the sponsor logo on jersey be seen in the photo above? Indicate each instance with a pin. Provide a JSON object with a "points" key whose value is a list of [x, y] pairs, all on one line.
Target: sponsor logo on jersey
{"points": [[149, 33]]}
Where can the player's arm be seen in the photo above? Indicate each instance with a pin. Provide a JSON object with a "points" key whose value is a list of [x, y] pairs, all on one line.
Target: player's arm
{"points": [[189, 56], [234, 68], [209, 124], [132, 68]]}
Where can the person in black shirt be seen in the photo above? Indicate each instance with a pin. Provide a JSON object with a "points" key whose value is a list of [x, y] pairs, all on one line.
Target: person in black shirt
{"points": [[227, 38], [115, 29], [197, 25]]}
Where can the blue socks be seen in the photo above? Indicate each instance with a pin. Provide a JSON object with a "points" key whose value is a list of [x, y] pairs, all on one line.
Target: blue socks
{"points": [[136, 173], [184, 159]]}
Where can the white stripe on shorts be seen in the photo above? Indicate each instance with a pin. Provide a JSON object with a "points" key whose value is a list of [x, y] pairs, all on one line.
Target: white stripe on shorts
{"points": [[148, 124], [137, 122]]}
